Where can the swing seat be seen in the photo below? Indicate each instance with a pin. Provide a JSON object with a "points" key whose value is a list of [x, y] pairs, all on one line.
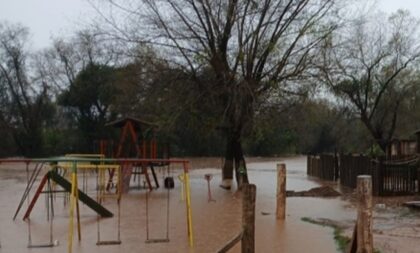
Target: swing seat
{"points": [[46, 245], [169, 183], [108, 243], [157, 240]]}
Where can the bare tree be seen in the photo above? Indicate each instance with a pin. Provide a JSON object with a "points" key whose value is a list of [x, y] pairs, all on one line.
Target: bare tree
{"points": [[369, 65], [67, 57], [24, 96], [252, 47], [81, 69]]}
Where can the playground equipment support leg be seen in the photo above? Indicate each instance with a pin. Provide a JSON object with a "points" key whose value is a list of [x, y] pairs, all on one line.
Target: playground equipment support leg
{"points": [[72, 205], [188, 203]]}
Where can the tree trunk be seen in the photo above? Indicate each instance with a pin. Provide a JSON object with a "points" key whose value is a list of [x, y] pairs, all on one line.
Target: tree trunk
{"points": [[240, 164], [227, 170], [238, 119], [234, 161], [378, 136]]}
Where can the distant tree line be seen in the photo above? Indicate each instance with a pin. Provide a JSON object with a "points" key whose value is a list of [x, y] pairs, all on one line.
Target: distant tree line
{"points": [[228, 78]]}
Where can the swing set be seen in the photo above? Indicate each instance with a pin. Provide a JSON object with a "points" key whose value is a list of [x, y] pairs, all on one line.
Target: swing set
{"points": [[102, 195], [168, 184], [50, 215], [71, 165]]}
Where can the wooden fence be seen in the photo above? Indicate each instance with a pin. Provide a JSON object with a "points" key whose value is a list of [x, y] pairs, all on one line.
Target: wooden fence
{"points": [[351, 166], [323, 166], [397, 178], [389, 178]]}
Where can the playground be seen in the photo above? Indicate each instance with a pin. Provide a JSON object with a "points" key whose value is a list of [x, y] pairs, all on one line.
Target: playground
{"points": [[214, 222], [212, 226]]}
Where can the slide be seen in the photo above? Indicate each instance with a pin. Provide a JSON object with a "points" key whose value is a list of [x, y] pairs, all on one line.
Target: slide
{"points": [[95, 206]]}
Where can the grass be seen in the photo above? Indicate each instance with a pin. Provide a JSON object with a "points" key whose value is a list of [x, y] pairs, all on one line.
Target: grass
{"points": [[341, 240]]}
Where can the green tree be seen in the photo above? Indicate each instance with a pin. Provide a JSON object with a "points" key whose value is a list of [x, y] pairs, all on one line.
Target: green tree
{"points": [[166, 96], [82, 73], [89, 99]]}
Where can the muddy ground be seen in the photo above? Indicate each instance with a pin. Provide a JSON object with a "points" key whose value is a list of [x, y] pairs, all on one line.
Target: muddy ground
{"points": [[396, 228]]}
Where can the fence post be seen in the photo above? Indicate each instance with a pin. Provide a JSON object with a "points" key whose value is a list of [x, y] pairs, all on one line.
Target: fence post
{"points": [[364, 214], [336, 168], [281, 192], [248, 218], [376, 185], [341, 175], [381, 171], [308, 165]]}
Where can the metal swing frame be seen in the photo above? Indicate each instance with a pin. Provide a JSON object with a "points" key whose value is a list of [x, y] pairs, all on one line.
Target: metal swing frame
{"points": [[50, 218], [158, 240], [72, 163], [101, 184]]}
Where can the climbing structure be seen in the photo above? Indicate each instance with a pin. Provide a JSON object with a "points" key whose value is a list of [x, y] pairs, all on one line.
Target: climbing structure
{"points": [[136, 137], [137, 140]]}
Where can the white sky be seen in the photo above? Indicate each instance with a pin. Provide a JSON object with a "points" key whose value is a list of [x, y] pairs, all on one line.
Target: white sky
{"points": [[47, 18], [392, 5]]}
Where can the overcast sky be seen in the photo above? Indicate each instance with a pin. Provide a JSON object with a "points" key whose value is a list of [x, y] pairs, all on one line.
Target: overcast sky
{"points": [[47, 18]]}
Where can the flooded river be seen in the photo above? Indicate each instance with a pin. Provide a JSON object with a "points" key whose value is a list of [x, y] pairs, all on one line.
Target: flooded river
{"points": [[214, 223]]}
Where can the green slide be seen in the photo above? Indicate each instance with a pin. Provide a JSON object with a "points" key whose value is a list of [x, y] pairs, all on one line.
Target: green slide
{"points": [[98, 208]]}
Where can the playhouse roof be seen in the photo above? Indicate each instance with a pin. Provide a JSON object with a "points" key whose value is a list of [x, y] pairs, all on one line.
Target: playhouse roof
{"points": [[119, 123]]}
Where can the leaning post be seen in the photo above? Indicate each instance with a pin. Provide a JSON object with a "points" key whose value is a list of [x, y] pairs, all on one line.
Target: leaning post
{"points": [[364, 214], [248, 218], [281, 192]]}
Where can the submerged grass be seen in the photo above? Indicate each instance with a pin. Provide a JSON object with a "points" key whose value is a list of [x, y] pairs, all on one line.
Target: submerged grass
{"points": [[341, 240]]}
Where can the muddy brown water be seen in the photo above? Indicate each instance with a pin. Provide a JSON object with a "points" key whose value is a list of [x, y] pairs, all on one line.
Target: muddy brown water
{"points": [[214, 223]]}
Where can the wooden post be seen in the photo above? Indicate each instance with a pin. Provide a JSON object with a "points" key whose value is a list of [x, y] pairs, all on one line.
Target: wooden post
{"points": [[281, 192], [418, 154], [308, 165], [418, 141], [248, 218], [364, 214], [376, 185], [336, 168]]}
